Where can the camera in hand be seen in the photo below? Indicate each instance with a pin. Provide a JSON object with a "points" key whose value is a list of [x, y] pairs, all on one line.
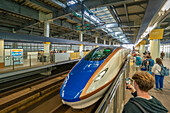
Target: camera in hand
{"points": [[127, 83]]}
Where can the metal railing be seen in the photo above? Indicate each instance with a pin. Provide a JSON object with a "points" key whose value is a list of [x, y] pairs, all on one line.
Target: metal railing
{"points": [[113, 101], [14, 62]]}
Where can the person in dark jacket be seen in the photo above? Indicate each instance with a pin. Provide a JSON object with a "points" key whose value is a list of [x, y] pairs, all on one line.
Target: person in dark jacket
{"points": [[162, 55], [143, 82]]}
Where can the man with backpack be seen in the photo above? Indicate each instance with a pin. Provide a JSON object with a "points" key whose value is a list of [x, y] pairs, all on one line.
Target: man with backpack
{"points": [[149, 63], [137, 62]]}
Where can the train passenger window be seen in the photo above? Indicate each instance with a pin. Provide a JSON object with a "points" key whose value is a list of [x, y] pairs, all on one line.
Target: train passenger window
{"points": [[99, 53]]}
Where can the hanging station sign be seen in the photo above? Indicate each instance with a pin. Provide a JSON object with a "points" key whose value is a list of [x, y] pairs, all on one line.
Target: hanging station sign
{"points": [[143, 42], [156, 34], [97, 34], [46, 42]]}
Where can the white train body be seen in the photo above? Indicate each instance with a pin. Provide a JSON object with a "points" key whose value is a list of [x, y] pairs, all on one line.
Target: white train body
{"points": [[90, 78]]}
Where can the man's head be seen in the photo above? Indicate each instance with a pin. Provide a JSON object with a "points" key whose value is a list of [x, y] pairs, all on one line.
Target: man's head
{"points": [[148, 57], [143, 80], [148, 54]]}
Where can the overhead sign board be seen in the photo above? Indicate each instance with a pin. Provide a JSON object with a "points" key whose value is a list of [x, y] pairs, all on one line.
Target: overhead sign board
{"points": [[156, 34], [46, 42], [97, 34], [143, 42]]}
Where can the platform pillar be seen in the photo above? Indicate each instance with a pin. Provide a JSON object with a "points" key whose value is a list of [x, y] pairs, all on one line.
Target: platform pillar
{"points": [[96, 40], [110, 42], [104, 41], [46, 50], [81, 50], [142, 50], [46, 29], [155, 49], [1, 53], [71, 47], [46, 44], [113, 43], [81, 45]]}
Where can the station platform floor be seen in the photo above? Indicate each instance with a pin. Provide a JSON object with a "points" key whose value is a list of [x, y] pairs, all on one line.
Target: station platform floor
{"points": [[162, 96], [26, 65]]}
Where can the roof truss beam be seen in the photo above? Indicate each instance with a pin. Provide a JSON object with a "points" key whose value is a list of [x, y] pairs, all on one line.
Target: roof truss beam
{"points": [[89, 4], [41, 4], [14, 7], [59, 3], [114, 13], [138, 13], [126, 11], [31, 23], [113, 33], [132, 4]]}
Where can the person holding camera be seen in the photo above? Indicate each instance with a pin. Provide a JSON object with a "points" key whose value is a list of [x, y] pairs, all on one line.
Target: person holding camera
{"points": [[142, 102]]}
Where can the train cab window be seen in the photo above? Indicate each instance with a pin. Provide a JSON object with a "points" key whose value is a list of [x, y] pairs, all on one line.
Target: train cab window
{"points": [[99, 54]]}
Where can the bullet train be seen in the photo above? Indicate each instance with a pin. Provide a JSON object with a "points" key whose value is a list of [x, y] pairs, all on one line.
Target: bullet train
{"points": [[92, 75]]}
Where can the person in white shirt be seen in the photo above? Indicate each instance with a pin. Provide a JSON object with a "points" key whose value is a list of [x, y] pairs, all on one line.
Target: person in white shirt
{"points": [[156, 69]]}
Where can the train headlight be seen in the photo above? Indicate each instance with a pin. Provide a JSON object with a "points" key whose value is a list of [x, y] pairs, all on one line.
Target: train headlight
{"points": [[100, 75]]}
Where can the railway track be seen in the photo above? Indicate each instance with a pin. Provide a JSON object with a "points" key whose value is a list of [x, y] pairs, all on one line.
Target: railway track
{"points": [[36, 92], [67, 109], [22, 97], [18, 85], [32, 97], [26, 82], [5, 87]]}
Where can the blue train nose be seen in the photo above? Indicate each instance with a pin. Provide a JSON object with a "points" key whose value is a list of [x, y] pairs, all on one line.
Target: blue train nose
{"points": [[77, 80]]}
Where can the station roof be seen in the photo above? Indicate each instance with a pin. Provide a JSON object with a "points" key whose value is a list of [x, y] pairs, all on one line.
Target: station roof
{"points": [[111, 20]]}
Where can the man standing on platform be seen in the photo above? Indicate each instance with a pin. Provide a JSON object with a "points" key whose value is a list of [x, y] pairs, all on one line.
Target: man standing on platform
{"points": [[142, 102], [137, 62], [162, 55]]}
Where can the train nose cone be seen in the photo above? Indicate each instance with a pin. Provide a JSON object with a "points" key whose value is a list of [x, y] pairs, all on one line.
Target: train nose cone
{"points": [[77, 80], [70, 96]]}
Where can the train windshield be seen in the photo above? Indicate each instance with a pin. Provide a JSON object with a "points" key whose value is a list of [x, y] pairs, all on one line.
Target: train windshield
{"points": [[99, 54]]}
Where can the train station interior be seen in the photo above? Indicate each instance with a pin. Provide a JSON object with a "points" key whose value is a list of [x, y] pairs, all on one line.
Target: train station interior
{"points": [[81, 56]]}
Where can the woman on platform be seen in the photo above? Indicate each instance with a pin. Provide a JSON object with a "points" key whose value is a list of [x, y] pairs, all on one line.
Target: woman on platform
{"points": [[156, 69]]}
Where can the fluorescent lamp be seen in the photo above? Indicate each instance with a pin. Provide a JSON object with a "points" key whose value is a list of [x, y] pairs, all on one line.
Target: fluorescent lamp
{"points": [[71, 2], [86, 13], [166, 6]]}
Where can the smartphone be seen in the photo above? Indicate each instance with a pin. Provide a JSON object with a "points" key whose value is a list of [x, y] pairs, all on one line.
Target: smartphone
{"points": [[127, 83]]}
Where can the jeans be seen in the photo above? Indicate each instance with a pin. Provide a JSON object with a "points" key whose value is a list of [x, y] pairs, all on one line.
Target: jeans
{"points": [[159, 81], [148, 68]]}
